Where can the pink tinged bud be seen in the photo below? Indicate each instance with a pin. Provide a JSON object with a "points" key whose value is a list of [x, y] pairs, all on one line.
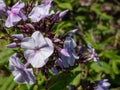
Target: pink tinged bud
{"points": [[18, 36], [30, 26], [56, 40], [54, 70], [12, 45], [64, 52], [62, 14]]}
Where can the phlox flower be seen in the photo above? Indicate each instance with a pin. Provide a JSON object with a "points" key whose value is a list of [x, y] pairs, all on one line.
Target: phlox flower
{"points": [[40, 11], [94, 55], [21, 73], [2, 5], [15, 14], [69, 46], [37, 49]]}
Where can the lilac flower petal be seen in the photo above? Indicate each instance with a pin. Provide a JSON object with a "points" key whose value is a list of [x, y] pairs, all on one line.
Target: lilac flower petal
{"points": [[16, 8], [39, 39], [64, 52], [29, 54], [27, 43], [12, 20], [69, 43], [71, 61], [2, 5], [22, 15], [38, 60], [39, 12], [13, 15], [65, 61]]}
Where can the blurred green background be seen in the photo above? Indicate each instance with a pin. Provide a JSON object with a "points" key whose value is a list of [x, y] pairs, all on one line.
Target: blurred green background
{"points": [[98, 22]]}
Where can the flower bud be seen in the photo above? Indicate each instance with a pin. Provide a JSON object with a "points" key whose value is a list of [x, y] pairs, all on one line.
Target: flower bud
{"points": [[12, 45]]}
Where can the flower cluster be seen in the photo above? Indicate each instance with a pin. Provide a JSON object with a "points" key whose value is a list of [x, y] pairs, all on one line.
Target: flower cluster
{"points": [[39, 48], [103, 85]]}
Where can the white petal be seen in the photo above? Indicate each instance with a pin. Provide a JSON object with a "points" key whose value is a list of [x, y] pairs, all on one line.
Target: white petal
{"points": [[48, 50], [29, 54], [38, 60], [28, 43], [39, 39], [34, 15], [39, 12]]}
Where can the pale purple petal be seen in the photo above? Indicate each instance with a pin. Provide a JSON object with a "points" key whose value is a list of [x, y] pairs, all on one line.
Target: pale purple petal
{"points": [[38, 60], [16, 8], [28, 43], [39, 12], [22, 15], [48, 50], [12, 20], [39, 39], [64, 52], [29, 54], [69, 43], [2, 5]]}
